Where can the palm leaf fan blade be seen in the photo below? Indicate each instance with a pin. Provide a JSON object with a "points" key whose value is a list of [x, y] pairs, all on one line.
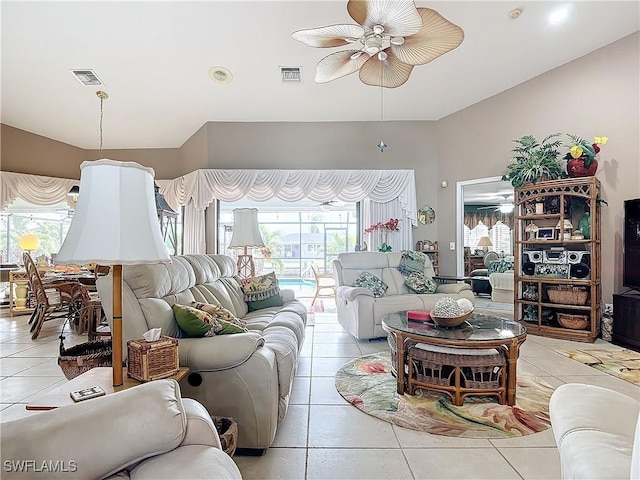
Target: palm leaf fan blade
{"points": [[398, 17], [329, 36], [389, 73], [437, 37], [339, 64]]}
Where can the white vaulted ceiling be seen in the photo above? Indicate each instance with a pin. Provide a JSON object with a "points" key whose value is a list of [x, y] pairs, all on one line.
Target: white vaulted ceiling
{"points": [[154, 57]]}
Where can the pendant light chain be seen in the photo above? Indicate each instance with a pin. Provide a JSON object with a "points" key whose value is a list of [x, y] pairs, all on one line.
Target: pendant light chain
{"points": [[102, 96]]}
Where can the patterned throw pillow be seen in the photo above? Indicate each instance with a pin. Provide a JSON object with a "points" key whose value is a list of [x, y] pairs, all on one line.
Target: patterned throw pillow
{"points": [[260, 288], [194, 322], [219, 313], [411, 262], [420, 283], [197, 323], [275, 301], [499, 266], [371, 282]]}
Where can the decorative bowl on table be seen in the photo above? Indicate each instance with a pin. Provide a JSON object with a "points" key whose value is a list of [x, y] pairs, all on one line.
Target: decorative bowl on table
{"points": [[450, 321]]}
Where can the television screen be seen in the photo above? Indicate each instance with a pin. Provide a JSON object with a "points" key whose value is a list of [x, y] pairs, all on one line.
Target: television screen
{"points": [[631, 272]]}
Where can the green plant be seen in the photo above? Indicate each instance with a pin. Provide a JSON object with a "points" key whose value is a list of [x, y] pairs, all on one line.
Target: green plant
{"points": [[533, 161]]}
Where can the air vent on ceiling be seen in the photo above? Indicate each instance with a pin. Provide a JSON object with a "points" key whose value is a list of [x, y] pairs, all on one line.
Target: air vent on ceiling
{"points": [[87, 77], [291, 74]]}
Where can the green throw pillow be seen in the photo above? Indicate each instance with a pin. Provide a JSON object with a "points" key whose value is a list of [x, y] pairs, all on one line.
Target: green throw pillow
{"points": [[371, 282], [219, 313], [260, 288], [197, 323], [420, 283], [275, 301], [194, 322], [411, 262]]}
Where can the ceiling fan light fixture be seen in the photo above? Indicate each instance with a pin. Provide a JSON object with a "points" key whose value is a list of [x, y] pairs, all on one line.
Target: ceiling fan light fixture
{"points": [[416, 36], [356, 55], [506, 208], [382, 56]]}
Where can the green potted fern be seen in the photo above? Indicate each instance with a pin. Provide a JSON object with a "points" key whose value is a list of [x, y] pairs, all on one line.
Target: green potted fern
{"points": [[535, 161]]}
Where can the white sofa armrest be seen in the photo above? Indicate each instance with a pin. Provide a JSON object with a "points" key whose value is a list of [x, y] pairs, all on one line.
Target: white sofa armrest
{"points": [[219, 352], [288, 295], [452, 288], [351, 293]]}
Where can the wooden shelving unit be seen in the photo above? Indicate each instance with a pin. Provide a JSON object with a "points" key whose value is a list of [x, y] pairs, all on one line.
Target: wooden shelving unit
{"points": [[538, 260], [431, 250]]}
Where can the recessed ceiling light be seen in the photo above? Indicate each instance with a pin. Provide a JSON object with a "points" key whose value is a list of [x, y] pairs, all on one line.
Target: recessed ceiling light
{"points": [[559, 16], [515, 13], [220, 75]]}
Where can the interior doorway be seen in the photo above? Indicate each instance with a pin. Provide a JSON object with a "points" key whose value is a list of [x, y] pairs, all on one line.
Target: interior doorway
{"points": [[488, 192]]}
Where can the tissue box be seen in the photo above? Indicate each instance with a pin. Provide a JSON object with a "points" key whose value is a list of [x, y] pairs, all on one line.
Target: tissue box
{"points": [[152, 360]]}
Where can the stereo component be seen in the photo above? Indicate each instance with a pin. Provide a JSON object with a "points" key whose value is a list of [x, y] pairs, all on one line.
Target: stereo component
{"points": [[580, 271], [554, 256], [533, 256], [528, 268], [578, 257]]}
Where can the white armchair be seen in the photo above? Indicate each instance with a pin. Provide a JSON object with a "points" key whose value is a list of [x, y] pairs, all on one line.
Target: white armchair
{"points": [[147, 431], [502, 286]]}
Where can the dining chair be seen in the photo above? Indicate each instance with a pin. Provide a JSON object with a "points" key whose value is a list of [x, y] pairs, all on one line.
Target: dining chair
{"points": [[53, 300], [324, 283]]}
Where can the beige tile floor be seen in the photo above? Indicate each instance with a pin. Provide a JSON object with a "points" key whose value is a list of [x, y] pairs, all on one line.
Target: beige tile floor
{"points": [[322, 436]]}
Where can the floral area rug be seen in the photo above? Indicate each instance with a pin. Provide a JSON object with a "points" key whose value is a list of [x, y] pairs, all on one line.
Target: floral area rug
{"points": [[367, 383], [624, 364]]}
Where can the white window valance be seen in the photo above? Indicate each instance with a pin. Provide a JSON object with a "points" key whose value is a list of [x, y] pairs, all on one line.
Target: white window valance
{"points": [[34, 189], [205, 186]]}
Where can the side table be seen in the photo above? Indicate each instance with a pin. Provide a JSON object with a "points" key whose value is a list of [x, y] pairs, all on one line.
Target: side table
{"points": [[102, 376]]}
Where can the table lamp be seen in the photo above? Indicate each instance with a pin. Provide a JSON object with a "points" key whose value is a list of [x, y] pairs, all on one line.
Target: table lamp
{"points": [[246, 234], [115, 224], [485, 242]]}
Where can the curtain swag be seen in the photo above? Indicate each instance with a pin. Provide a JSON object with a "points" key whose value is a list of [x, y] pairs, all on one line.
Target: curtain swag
{"points": [[471, 219], [33, 188]]}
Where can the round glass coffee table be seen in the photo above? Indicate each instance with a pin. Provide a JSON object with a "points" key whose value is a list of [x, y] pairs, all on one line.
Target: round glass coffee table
{"points": [[477, 332]]}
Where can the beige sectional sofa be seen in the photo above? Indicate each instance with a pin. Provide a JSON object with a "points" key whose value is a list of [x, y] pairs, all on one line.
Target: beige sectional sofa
{"points": [[360, 313], [145, 432], [247, 376]]}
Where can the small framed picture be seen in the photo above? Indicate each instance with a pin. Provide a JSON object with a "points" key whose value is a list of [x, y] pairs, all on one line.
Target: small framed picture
{"points": [[552, 270], [546, 233]]}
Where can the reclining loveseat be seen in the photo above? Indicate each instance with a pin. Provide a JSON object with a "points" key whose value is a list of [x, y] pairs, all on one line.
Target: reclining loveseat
{"points": [[360, 312], [247, 376]]}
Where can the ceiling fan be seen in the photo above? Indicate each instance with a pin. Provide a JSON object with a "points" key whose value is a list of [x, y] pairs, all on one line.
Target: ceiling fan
{"points": [[392, 37], [505, 206], [328, 205]]}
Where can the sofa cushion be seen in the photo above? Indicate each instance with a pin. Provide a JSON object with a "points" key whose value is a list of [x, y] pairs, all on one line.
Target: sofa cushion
{"points": [[418, 282], [260, 288], [411, 262], [371, 282], [274, 301]]}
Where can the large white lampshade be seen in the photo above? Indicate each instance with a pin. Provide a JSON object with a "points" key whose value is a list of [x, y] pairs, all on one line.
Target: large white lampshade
{"points": [[246, 234], [115, 223]]}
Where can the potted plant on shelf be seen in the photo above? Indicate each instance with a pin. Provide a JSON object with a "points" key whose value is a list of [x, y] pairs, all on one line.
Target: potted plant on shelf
{"points": [[534, 161], [581, 159]]}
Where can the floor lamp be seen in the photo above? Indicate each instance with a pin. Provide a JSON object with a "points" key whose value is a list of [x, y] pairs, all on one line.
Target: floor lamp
{"points": [[115, 224], [246, 234]]}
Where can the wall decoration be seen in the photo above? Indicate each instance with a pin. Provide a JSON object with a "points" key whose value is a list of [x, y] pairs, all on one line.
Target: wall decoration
{"points": [[426, 215]]}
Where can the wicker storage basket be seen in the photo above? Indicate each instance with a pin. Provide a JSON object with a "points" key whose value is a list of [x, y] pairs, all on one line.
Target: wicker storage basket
{"points": [[228, 431], [83, 357], [575, 322], [152, 360], [568, 295]]}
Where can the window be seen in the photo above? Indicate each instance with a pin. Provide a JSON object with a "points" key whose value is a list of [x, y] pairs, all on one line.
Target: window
{"points": [[297, 235], [500, 236]]}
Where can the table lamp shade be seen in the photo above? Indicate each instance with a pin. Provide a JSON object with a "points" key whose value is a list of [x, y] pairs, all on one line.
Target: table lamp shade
{"points": [[115, 222], [485, 242], [246, 232], [29, 242]]}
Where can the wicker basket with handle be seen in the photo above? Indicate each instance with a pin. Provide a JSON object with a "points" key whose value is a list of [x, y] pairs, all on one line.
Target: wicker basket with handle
{"points": [[81, 358]]}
